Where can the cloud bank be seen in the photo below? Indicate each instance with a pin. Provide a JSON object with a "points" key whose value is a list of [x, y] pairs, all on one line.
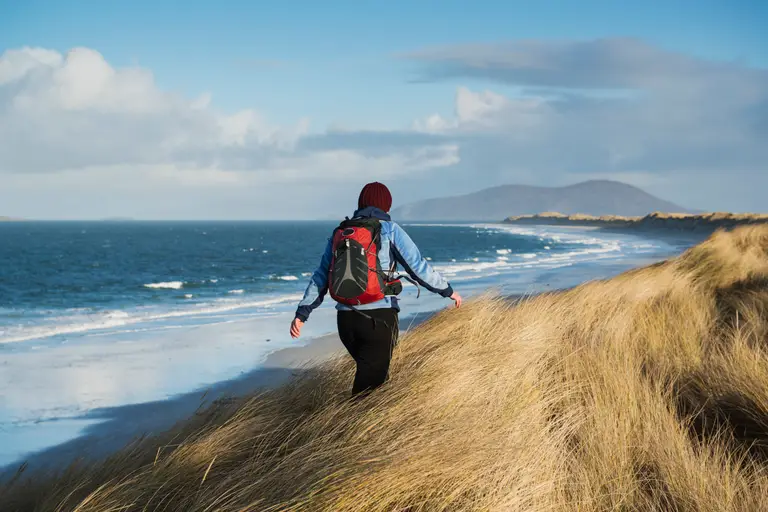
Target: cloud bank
{"points": [[611, 105], [74, 111], [687, 128]]}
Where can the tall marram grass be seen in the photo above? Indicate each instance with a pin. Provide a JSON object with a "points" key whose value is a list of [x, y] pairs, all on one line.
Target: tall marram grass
{"points": [[648, 391]]}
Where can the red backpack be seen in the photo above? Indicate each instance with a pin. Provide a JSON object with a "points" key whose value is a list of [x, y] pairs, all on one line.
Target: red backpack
{"points": [[355, 275]]}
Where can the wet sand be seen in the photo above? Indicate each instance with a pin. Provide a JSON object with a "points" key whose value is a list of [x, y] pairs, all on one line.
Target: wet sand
{"points": [[110, 429]]}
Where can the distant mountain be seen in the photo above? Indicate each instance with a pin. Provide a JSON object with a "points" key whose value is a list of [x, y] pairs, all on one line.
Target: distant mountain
{"points": [[599, 197], [8, 219]]}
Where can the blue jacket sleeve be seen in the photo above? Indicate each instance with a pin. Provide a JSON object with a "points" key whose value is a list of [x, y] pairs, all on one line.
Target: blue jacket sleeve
{"points": [[317, 287], [407, 254]]}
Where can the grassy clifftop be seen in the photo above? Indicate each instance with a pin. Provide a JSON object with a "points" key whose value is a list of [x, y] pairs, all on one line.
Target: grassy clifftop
{"points": [[662, 221], [648, 391]]}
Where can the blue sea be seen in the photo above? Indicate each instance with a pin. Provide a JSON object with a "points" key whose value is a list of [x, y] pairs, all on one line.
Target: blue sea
{"points": [[98, 315]]}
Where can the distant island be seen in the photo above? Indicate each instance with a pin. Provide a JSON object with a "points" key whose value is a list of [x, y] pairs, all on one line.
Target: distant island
{"points": [[703, 222], [9, 219], [597, 197]]}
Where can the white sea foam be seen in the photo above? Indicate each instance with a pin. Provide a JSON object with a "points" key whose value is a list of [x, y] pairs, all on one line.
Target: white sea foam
{"points": [[170, 285], [470, 267], [80, 323], [236, 292], [288, 278], [306, 274], [188, 295], [597, 249], [104, 322]]}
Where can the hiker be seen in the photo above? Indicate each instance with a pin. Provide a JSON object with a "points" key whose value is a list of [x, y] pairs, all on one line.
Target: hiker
{"points": [[352, 270]]}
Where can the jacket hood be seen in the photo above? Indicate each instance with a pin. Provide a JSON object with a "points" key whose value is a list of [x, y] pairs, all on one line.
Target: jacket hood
{"points": [[372, 211]]}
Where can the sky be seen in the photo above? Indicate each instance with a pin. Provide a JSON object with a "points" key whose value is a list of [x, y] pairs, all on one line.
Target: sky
{"points": [[283, 110]]}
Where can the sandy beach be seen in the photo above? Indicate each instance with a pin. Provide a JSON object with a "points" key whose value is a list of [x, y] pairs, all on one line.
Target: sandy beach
{"points": [[112, 428], [115, 427]]}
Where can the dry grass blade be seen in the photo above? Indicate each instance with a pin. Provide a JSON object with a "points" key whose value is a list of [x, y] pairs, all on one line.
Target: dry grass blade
{"points": [[208, 470]]}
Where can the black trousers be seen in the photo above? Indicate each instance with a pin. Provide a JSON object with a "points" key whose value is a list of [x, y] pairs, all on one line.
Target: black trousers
{"points": [[370, 344]]}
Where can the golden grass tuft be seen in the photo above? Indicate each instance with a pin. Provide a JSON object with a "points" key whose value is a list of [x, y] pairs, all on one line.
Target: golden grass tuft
{"points": [[648, 391]]}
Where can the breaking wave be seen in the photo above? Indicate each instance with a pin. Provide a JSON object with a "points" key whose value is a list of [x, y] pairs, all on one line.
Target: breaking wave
{"points": [[170, 285]]}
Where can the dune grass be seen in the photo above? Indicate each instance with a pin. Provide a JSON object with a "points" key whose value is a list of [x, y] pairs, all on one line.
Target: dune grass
{"points": [[648, 391]]}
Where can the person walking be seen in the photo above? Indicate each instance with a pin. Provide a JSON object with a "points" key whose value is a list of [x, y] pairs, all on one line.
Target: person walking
{"points": [[352, 270]]}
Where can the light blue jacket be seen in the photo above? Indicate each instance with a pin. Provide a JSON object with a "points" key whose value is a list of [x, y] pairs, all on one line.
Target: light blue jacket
{"points": [[396, 247]]}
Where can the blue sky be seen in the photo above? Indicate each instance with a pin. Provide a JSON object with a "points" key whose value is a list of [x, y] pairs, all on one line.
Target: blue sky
{"points": [[326, 59], [362, 67]]}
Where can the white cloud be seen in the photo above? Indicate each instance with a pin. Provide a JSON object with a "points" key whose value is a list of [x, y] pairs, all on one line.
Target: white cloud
{"points": [[15, 64], [487, 112], [76, 111], [478, 106]]}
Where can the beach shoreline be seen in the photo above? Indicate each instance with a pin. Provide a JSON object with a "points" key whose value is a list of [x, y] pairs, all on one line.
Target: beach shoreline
{"points": [[114, 428]]}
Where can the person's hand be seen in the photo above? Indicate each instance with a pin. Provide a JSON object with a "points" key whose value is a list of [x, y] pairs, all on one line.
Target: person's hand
{"points": [[296, 326], [456, 298]]}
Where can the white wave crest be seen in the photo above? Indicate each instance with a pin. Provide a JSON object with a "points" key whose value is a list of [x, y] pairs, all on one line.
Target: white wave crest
{"points": [[170, 285], [284, 278], [80, 323], [236, 292]]}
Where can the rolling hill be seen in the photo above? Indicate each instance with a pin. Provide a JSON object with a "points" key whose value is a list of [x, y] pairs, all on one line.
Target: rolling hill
{"points": [[494, 204]]}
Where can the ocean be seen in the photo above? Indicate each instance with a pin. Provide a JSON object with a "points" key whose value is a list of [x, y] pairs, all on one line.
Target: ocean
{"points": [[99, 315]]}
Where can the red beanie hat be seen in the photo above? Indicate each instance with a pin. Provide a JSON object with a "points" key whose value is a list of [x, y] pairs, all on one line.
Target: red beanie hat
{"points": [[375, 194]]}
